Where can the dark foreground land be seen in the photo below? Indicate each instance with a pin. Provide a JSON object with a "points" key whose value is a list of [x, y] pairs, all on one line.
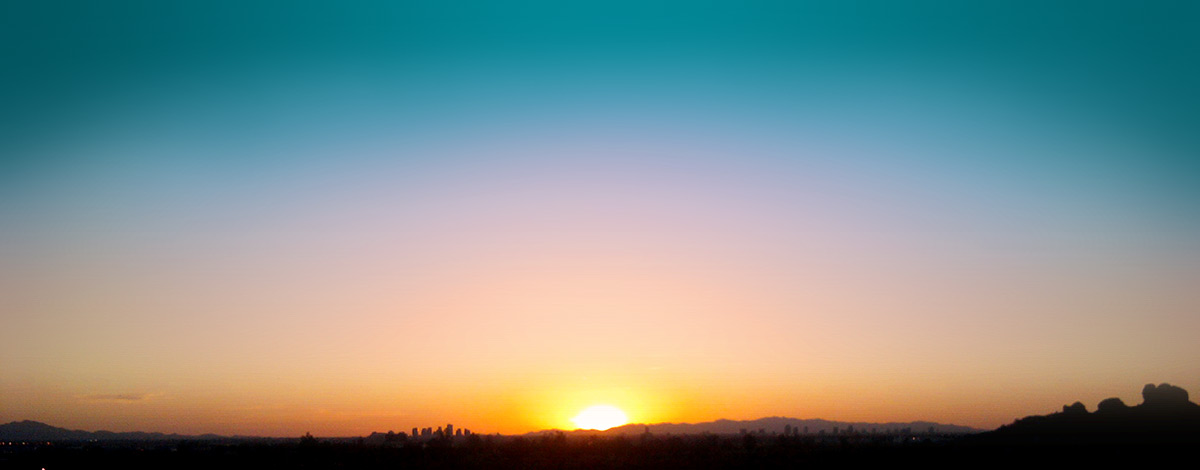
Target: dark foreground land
{"points": [[1163, 430], [596, 452]]}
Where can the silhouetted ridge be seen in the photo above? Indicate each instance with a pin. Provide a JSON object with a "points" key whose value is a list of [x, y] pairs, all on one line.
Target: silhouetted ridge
{"points": [[37, 431], [1076, 408], [1112, 405], [781, 425], [1164, 416]]}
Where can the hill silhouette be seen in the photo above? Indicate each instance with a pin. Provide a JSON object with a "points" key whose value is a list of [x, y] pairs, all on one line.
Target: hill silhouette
{"points": [[1164, 416], [37, 431], [1163, 430], [781, 425]]}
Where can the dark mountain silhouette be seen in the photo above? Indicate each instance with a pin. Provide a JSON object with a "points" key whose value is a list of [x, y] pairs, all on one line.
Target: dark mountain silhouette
{"points": [[36, 431], [1163, 430], [1164, 416], [780, 425]]}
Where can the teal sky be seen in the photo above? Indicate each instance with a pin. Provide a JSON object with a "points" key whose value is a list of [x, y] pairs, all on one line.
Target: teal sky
{"points": [[1002, 193]]}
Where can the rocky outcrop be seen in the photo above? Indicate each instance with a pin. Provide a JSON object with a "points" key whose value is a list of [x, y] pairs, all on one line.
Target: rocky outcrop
{"points": [[1164, 395], [1165, 415], [1076, 408], [1112, 405]]}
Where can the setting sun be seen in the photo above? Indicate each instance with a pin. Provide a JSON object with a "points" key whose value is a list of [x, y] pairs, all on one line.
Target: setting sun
{"points": [[600, 417]]}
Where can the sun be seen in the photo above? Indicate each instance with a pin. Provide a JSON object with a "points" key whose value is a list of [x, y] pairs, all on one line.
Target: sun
{"points": [[600, 417]]}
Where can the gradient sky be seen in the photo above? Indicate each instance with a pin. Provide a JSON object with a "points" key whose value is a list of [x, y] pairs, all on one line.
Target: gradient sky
{"points": [[274, 218]]}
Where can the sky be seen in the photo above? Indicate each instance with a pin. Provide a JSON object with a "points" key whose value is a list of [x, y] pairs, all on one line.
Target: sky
{"points": [[272, 218]]}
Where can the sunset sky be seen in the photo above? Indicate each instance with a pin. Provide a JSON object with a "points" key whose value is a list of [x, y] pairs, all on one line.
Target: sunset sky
{"points": [[273, 218]]}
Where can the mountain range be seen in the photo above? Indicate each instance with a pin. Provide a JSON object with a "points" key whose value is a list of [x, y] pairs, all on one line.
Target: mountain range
{"points": [[779, 425], [775, 425], [37, 431]]}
